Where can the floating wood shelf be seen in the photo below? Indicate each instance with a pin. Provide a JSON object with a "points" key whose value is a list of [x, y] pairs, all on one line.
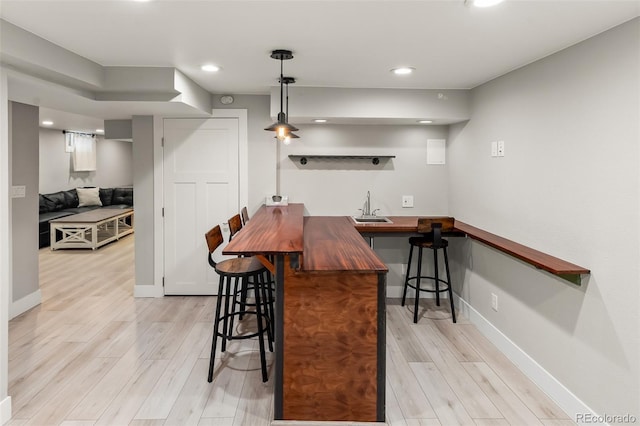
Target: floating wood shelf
{"points": [[561, 268], [375, 159], [540, 260]]}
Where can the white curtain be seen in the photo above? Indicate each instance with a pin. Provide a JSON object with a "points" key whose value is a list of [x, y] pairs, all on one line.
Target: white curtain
{"points": [[84, 151]]}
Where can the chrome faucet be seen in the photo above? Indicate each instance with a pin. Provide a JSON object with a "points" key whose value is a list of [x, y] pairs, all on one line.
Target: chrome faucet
{"points": [[366, 209], [367, 205]]}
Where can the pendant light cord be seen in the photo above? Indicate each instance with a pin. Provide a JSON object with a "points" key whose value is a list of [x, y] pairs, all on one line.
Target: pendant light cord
{"points": [[281, 82]]}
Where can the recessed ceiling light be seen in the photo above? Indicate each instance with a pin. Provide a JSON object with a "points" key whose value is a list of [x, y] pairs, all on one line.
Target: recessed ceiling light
{"points": [[320, 120], [425, 121], [486, 3], [403, 70], [47, 123], [210, 68], [99, 130]]}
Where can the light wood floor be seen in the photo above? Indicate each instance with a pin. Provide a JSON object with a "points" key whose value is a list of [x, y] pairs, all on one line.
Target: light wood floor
{"points": [[91, 354]]}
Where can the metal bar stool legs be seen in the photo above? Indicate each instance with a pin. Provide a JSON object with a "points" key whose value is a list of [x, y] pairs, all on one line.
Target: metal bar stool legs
{"points": [[432, 229], [224, 316], [446, 266], [241, 270]]}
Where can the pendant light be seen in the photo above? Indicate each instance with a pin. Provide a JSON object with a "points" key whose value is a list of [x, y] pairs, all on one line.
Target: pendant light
{"points": [[281, 127]]}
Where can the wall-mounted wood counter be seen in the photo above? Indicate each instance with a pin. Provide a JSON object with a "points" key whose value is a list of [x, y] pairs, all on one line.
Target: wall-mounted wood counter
{"points": [[544, 261]]}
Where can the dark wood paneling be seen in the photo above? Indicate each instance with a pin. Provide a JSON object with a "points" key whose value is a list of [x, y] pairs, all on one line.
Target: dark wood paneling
{"points": [[330, 369], [272, 230], [332, 244]]}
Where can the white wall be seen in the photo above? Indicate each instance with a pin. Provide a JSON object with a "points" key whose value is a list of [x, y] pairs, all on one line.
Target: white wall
{"points": [[569, 186], [339, 187], [114, 166]]}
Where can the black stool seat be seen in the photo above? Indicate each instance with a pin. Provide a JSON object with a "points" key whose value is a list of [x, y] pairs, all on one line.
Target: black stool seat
{"points": [[432, 239], [240, 270], [426, 242]]}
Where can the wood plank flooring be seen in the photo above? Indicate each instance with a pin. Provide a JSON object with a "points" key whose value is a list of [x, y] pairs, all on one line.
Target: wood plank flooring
{"points": [[91, 354]]}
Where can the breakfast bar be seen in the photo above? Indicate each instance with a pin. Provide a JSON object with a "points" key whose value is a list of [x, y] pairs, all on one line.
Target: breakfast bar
{"points": [[329, 314]]}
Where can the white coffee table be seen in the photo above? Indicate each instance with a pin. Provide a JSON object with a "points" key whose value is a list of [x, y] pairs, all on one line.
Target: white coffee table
{"points": [[91, 229]]}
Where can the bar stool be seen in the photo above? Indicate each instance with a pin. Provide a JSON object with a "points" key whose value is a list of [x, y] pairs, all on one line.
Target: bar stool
{"points": [[240, 295], [432, 228], [241, 268], [245, 215]]}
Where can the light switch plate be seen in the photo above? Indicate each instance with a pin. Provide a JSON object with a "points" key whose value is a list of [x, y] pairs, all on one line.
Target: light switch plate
{"points": [[500, 148], [18, 191], [407, 201], [494, 148]]}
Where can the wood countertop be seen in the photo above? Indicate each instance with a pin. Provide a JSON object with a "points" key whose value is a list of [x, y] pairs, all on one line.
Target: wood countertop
{"points": [[272, 230], [327, 244], [332, 244], [544, 261]]}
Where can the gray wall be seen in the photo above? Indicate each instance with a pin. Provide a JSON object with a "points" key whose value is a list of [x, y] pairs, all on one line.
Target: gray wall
{"points": [[24, 211], [262, 146], [143, 132], [114, 164], [339, 187], [569, 186]]}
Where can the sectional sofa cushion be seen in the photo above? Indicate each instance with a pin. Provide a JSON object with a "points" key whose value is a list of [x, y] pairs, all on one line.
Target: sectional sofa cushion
{"points": [[88, 197], [106, 195], [122, 196]]}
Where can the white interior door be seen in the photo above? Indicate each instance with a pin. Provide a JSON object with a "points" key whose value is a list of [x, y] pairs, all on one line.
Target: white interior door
{"points": [[201, 190]]}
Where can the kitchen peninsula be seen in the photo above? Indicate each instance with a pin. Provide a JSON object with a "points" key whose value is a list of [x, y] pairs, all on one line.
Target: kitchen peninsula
{"points": [[330, 314]]}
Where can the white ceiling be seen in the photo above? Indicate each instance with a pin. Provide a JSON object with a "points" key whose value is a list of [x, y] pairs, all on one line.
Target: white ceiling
{"points": [[348, 43]]}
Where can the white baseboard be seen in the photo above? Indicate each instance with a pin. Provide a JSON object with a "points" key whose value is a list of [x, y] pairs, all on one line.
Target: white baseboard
{"points": [[562, 396], [5, 410], [23, 305], [147, 291]]}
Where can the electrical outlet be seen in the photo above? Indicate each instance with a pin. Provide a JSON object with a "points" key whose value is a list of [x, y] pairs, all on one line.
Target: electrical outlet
{"points": [[407, 201], [494, 302]]}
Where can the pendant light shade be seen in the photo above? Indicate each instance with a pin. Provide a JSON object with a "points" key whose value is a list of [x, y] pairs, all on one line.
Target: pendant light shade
{"points": [[282, 128]]}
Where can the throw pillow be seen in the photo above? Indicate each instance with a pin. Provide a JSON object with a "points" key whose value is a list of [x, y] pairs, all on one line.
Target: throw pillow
{"points": [[88, 197]]}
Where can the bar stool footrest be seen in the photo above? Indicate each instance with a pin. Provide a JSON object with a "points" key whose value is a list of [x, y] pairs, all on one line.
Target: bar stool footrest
{"points": [[440, 280]]}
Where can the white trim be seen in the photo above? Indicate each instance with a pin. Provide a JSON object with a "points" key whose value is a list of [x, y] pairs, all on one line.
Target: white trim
{"points": [[5, 410], [5, 243], [148, 290], [23, 305], [158, 221], [562, 396]]}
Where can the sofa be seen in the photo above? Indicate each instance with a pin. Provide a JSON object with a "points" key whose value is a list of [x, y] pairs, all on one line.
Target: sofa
{"points": [[65, 203]]}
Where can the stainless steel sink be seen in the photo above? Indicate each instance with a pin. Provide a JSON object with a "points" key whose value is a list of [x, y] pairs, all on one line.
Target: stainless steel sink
{"points": [[371, 219]]}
